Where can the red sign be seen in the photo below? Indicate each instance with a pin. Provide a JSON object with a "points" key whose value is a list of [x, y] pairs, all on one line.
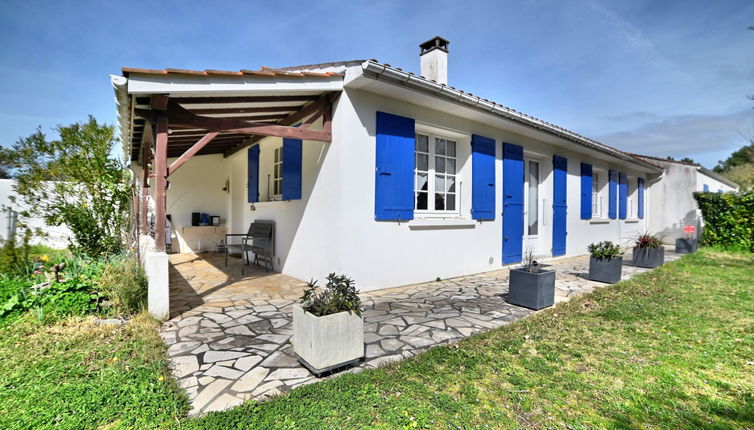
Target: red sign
{"points": [[689, 228]]}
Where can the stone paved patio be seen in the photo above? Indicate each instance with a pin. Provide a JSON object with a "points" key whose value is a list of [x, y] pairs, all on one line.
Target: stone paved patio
{"points": [[229, 336]]}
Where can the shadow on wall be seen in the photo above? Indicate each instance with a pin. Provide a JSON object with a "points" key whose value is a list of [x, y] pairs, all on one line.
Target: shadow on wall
{"points": [[676, 230]]}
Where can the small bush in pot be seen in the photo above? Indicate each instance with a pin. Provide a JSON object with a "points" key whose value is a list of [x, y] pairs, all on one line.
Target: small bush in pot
{"points": [[328, 330], [605, 262], [648, 251], [530, 285]]}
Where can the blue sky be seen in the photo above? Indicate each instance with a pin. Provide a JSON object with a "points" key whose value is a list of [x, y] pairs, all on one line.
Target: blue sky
{"points": [[654, 77]]}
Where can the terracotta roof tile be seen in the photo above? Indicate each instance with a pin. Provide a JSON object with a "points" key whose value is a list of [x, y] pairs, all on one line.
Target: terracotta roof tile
{"points": [[264, 71]]}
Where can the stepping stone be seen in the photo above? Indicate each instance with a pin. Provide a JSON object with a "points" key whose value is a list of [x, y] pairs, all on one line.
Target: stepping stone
{"points": [[274, 338], [208, 393], [278, 322], [218, 318], [184, 366], [442, 335], [223, 372], [246, 363], [188, 321], [248, 319], [224, 402], [466, 331], [265, 308], [391, 344], [266, 387], [250, 380], [240, 330], [289, 373], [188, 382], [381, 361], [417, 342], [436, 324], [215, 356], [374, 350], [204, 380], [455, 323], [278, 359], [182, 347], [387, 330], [371, 337]]}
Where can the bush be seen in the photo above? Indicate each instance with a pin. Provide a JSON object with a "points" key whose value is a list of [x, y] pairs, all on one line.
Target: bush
{"points": [[124, 284], [339, 295], [605, 250], [648, 240], [728, 219]]}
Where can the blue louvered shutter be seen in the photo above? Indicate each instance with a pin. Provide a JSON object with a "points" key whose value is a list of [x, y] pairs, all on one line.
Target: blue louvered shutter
{"points": [[640, 208], [482, 178], [622, 195], [706, 188], [612, 195], [394, 169], [559, 204], [292, 162], [252, 174], [513, 202], [586, 191]]}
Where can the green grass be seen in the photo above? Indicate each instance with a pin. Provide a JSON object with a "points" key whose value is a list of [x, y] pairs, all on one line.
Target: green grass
{"points": [[670, 349]]}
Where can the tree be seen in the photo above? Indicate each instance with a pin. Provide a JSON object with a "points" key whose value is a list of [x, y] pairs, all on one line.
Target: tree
{"points": [[737, 158], [687, 160], [74, 181]]}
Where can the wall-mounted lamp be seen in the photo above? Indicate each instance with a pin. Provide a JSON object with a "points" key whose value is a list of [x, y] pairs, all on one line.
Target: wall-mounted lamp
{"points": [[226, 188]]}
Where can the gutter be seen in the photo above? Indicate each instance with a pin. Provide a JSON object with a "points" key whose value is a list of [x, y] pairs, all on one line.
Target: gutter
{"points": [[124, 112], [385, 73]]}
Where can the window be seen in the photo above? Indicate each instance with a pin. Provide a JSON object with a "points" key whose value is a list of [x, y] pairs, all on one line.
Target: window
{"points": [[596, 198], [435, 174], [533, 199], [631, 208], [277, 173]]}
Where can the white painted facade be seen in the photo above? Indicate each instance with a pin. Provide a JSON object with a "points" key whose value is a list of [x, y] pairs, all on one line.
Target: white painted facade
{"points": [[55, 236]]}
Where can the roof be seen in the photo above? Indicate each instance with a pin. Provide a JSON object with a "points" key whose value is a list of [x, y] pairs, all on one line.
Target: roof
{"points": [[210, 72], [698, 167]]}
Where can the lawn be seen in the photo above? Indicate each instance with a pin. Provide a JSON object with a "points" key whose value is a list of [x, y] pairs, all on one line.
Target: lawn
{"points": [[670, 349]]}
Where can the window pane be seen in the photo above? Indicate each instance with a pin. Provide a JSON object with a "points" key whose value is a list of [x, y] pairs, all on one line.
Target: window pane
{"points": [[439, 202], [421, 201], [533, 207], [450, 165], [422, 162], [450, 147], [450, 202], [450, 183], [439, 183], [422, 143], [439, 164], [421, 181], [440, 146]]}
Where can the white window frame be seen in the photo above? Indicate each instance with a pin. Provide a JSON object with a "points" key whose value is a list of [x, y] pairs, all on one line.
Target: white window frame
{"points": [[277, 173], [432, 135], [632, 198], [600, 196]]}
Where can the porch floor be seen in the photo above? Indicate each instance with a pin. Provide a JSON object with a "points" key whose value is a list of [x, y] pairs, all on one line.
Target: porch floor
{"points": [[229, 339]]}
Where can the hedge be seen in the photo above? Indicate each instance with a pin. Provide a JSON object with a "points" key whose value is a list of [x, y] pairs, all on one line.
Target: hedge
{"points": [[728, 219]]}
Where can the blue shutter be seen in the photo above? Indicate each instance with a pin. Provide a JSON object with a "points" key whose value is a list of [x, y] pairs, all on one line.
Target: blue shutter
{"points": [[586, 191], [622, 195], [559, 205], [513, 202], [706, 188], [612, 194], [640, 209], [482, 178], [292, 162], [252, 174], [394, 169]]}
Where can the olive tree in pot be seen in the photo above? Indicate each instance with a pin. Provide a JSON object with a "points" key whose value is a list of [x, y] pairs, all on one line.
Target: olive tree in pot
{"points": [[530, 285], [648, 251], [328, 329], [605, 262]]}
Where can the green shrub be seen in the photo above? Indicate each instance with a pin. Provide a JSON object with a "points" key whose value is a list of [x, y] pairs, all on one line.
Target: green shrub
{"points": [[124, 283], [339, 295], [728, 219], [605, 250], [648, 240]]}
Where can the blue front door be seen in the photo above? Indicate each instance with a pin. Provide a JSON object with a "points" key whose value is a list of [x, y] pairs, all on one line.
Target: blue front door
{"points": [[513, 202], [559, 205]]}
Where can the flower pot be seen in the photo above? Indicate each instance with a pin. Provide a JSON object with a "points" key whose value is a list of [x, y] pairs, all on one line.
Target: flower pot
{"points": [[605, 269], [686, 245], [328, 342], [532, 290], [649, 257]]}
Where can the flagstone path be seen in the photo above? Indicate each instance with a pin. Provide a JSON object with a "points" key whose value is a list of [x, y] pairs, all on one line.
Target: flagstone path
{"points": [[229, 340]]}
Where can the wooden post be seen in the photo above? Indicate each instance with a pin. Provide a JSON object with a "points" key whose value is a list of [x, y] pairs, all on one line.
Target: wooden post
{"points": [[160, 186], [144, 208]]}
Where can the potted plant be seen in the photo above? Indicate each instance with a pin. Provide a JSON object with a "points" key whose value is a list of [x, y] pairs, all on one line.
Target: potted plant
{"points": [[688, 243], [605, 262], [648, 251], [328, 329], [530, 285]]}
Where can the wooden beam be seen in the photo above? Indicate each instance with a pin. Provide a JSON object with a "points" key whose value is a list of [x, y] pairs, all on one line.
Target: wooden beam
{"points": [[159, 102], [144, 208], [262, 109], [161, 184], [245, 99], [201, 143]]}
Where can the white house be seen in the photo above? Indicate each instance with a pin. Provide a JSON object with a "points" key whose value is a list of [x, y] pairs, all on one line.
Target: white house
{"points": [[390, 177], [672, 195], [11, 209]]}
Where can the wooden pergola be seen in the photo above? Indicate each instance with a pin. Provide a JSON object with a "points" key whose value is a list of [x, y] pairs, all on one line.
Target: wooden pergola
{"points": [[180, 127]]}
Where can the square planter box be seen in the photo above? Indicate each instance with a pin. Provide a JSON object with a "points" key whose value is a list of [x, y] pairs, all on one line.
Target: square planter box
{"points": [[328, 342], [649, 257], [686, 246], [532, 290], [605, 270]]}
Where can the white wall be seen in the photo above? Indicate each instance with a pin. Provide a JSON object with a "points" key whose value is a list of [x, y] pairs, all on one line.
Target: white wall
{"points": [[56, 236], [714, 184], [382, 254]]}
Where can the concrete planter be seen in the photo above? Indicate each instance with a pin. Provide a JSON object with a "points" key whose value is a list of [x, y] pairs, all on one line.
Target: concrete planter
{"points": [[649, 257], [328, 342], [605, 270], [686, 246], [532, 290]]}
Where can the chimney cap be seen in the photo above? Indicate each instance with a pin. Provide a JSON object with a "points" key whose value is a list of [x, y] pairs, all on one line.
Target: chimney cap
{"points": [[436, 42]]}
